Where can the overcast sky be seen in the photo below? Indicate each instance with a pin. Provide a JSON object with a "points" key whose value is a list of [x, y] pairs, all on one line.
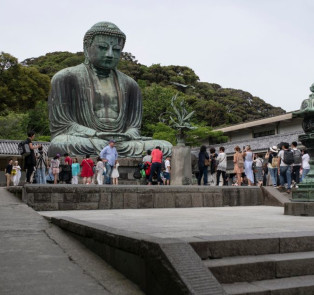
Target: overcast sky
{"points": [[262, 46]]}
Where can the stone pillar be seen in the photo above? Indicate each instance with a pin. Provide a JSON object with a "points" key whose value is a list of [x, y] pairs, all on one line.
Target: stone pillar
{"points": [[181, 167]]}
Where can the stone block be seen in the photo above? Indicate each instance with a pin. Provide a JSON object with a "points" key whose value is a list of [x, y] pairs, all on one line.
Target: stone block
{"points": [[208, 199], [201, 248], [245, 272], [183, 200], [105, 201], [295, 267], [28, 198], [197, 200], [130, 200], [45, 206], [117, 200], [87, 206], [89, 197], [67, 206], [243, 247], [42, 198], [169, 199], [57, 197], [71, 198], [297, 244], [145, 200], [159, 200]]}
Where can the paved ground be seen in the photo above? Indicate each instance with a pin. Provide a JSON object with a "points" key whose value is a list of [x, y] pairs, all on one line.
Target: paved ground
{"points": [[193, 222], [38, 258]]}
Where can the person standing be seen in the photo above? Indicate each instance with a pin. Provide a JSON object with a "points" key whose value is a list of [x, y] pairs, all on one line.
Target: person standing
{"points": [[272, 157], [17, 173], [213, 166], [87, 170], [285, 161], [100, 171], [259, 169], [115, 173], [55, 167], [75, 171], [296, 166], [41, 165], [30, 160], [248, 154], [148, 157], [167, 171], [305, 164], [203, 163], [156, 165], [238, 164], [221, 166], [109, 156], [8, 171]]}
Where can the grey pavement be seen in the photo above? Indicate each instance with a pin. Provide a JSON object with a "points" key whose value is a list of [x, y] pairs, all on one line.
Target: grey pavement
{"points": [[187, 223], [38, 258]]}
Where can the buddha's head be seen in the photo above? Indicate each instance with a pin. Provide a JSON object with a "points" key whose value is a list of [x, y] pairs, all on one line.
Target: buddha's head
{"points": [[103, 44]]}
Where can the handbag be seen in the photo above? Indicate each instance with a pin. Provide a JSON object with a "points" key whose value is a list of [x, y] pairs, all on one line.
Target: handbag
{"points": [[206, 162]]}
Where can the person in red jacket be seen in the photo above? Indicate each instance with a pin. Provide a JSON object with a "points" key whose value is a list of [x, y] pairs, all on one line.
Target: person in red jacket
{"points": [[156, 164]]}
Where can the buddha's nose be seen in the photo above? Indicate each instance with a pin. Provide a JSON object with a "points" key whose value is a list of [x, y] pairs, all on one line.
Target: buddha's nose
{"points": [[109, 52]]}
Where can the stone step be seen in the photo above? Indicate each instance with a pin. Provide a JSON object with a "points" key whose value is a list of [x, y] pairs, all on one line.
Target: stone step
{"points": [[301, 285], [253, 244], [261, 267]]}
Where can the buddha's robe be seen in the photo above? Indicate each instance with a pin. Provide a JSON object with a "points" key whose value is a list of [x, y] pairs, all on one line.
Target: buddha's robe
{"points": [[82, 105]]}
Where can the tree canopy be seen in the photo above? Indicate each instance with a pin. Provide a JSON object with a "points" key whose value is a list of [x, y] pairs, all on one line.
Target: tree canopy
{"points": [[24, 89]]}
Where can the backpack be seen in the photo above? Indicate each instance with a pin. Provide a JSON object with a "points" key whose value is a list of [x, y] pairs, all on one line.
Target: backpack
{"points": [[288, 157], [137, 174], [297, 157], [23, 148], [274, 162], [147, 168]]}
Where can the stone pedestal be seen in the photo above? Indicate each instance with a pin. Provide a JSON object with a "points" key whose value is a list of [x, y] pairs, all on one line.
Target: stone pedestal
{"points": [[181, 167], [299, 208]]}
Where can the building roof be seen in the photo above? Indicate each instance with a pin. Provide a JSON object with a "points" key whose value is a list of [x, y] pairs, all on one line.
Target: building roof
{"points": [[9, 147], [265, 121], [259, 144]]}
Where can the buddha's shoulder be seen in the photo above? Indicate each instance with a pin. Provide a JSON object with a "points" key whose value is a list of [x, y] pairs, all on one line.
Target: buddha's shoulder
{"points": [[127, 79], [71, 72]]}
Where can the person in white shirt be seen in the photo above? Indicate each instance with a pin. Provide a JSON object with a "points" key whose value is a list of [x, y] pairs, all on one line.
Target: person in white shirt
{"points": [[148, 157], [221, 166], [100, 171], [284, 169], [305, 164], [167, 171]]}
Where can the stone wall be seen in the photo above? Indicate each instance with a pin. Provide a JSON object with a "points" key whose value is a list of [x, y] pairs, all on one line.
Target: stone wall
{"points": [[92, 197]]}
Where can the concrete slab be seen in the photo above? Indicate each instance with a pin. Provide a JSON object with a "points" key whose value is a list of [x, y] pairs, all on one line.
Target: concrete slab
{"points": [[38, 258], [195, 223]]}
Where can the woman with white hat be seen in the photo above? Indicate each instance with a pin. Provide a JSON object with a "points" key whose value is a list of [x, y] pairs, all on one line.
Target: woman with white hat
{"points": [[271, 155]]}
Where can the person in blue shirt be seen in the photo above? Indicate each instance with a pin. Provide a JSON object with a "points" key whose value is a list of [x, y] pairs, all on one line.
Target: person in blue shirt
{"points": [[109, 156]]}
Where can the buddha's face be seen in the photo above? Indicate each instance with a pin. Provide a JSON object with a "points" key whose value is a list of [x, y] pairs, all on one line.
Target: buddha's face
{"points": [[104, 52]]}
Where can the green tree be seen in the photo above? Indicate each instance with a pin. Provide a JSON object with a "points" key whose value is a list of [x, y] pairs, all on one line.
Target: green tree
{"points": [[13, 126], [20, 87]]}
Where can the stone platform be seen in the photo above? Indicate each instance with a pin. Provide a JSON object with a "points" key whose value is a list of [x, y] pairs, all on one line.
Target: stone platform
{"points": [[299, 208], [93, 197], [245, 250]]}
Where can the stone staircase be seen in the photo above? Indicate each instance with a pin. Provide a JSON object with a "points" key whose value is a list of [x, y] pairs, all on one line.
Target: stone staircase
{"points": [[274, 264]]}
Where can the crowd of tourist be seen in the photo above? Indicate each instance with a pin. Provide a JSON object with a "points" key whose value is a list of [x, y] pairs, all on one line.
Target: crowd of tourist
{"points": [[65, 169], [283, 166]]}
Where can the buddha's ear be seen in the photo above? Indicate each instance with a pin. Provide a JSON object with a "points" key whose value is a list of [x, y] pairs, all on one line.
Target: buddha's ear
{"points": [[86, 61]]}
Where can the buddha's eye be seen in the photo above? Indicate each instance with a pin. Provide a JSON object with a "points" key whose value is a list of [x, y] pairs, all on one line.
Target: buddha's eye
{"points": [[102, 47]]}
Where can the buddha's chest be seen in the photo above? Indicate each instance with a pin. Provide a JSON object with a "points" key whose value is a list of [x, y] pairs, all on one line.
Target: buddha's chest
{"points": [[106, 101]]}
